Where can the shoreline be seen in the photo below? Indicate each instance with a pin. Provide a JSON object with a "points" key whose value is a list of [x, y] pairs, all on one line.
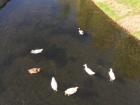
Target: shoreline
{"points": [[122, 14]]}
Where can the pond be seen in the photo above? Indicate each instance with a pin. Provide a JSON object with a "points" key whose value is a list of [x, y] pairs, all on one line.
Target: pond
{"points": [[53, 25]]}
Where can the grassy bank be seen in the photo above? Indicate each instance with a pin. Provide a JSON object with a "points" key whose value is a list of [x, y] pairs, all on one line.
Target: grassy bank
{"points": [[124, 12], [133, 4]]}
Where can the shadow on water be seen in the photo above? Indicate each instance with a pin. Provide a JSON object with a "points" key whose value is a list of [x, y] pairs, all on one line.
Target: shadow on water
{"points": [[52, 25], [3, 3]]}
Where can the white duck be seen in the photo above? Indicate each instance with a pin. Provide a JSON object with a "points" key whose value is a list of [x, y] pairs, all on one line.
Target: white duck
{"points": [[88, 70], [33, 70], [111, 75], [81, 32], [71, 91], [36, 51], [54, 84]]}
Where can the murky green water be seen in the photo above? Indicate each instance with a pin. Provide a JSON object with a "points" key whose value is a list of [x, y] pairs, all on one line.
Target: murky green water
{"points": [[52, 25]]}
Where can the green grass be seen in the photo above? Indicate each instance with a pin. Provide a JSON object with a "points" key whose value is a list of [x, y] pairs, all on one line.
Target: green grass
{"points": [[108, 10], [133, 4], [137, 34]]}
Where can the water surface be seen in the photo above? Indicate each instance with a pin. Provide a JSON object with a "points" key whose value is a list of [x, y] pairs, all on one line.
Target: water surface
{"points": [[52, 25]]}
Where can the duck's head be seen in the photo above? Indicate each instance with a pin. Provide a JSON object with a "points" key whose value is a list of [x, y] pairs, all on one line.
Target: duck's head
{"points": [[37, 69], [76, 87], [85, 65], [111, 69]]}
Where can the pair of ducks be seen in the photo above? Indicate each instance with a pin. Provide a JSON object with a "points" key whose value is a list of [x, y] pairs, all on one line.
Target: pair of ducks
{"points": [[90, 72], [67, 92], [72, 90], [37, 51]]}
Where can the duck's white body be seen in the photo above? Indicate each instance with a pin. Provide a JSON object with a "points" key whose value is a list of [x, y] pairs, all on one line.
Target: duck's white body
{"points": [[88, 70], [81, 32], [54, 84], [71, 91], [34, 70], [36, 51], [111, 75]]}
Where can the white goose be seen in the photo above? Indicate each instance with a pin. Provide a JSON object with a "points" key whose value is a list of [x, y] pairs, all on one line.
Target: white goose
{"points": [[54, 84], [88, 70], [111, 75], [71, 91], [36, 51], [81, 32]]}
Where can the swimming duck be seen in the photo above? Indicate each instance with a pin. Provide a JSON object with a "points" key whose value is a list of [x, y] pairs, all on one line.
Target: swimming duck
{"points": [[33, 70], [88, 70], [81, 32], [71, 91], [36, 51], [111, 75], [54, 84]]}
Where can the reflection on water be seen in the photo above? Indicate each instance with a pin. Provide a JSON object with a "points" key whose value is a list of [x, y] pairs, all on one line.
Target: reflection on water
{"points": [[52, 25], [127, 57]]}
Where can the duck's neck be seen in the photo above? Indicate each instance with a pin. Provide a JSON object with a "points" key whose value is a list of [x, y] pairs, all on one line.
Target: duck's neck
{"points": [[111, 69], [85, 66]]}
